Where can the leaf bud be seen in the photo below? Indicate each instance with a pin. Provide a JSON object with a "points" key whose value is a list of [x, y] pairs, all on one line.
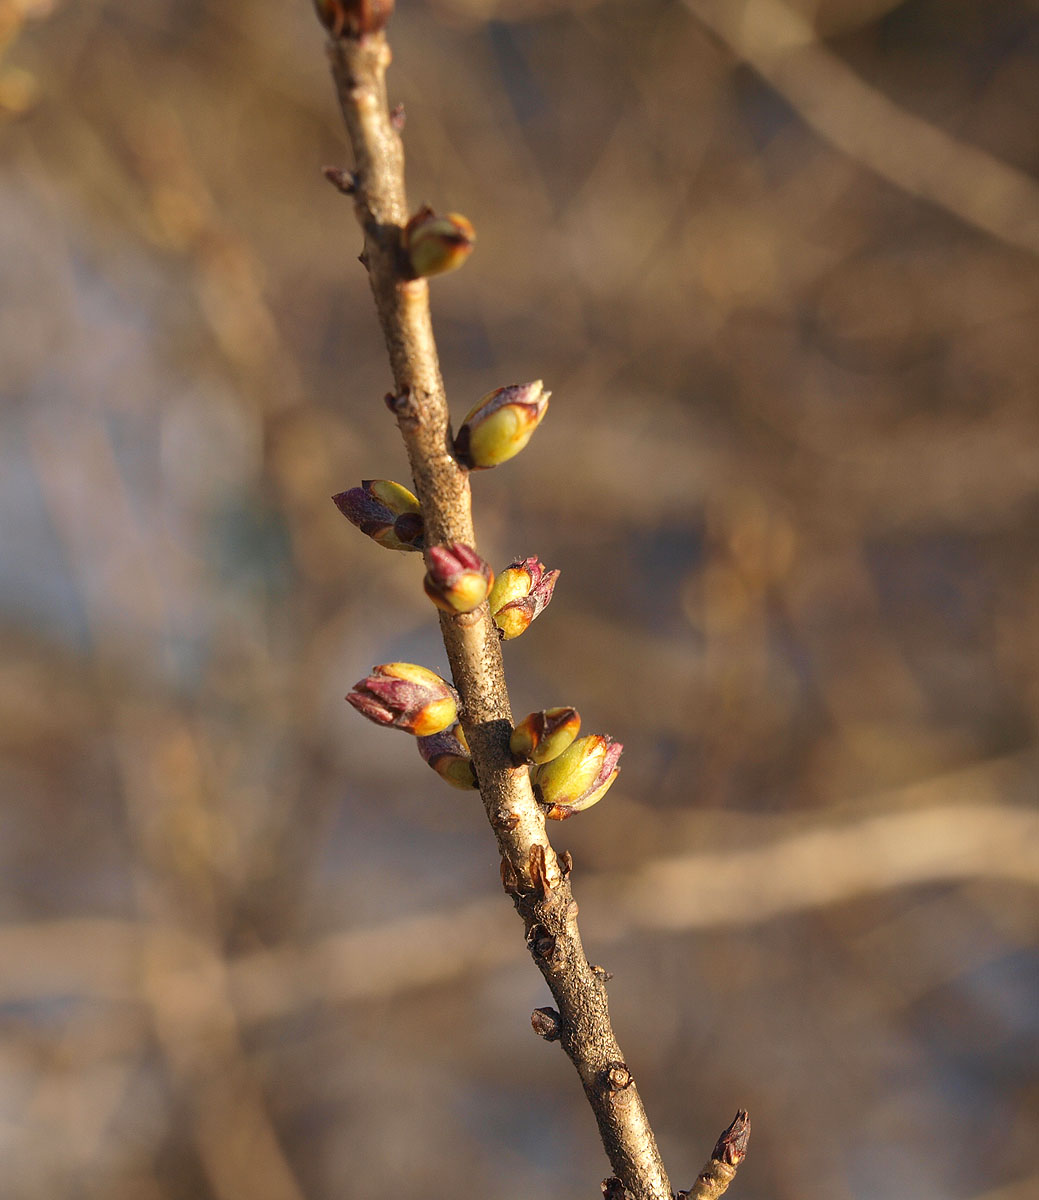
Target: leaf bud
{"points": [[447, 753], [386, 511], [501, 424], [353, 18], [437, 244], [458, 579], [544, 735], [406, 696], [520, 593], [578, 778]]}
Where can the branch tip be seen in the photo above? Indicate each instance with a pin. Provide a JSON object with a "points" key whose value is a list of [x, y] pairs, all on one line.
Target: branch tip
{"points": [[731, 1147]]}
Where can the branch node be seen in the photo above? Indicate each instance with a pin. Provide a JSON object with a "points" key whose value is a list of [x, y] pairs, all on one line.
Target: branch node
{"points": [[541, 942], [398, 118], [341, 179], [613, 1189], [601, 973], [547, 1024], [618, 1077]]}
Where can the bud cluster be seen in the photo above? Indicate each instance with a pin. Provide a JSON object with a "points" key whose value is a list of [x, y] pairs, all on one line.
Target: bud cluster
{"points": [[520, 593], [568, 774]]}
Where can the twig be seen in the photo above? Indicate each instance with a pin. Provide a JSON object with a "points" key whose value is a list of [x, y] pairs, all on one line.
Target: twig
{"points": [[973, 185], [720, 1169], [531, 872]]}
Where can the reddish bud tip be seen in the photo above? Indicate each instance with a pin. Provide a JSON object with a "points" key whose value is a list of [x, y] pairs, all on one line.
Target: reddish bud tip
{"points": [[406, 696], [458, 579]]}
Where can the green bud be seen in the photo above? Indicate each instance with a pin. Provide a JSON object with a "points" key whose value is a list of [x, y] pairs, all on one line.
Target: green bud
{"points": [[501, 424], [520, 593], [406, 696], [544, 735], [578, 778], [386, 511], [447, 753], [437, 244], [458, 579]]}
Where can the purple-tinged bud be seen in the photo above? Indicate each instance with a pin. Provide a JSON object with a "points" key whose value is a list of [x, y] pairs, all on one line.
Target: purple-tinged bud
{"points": [[386, 511], [435, 244], [406, 696], [353, 18], [447, 753], [544, 735], [520, 593], [501, 424], [458, 579], [578, 778]]}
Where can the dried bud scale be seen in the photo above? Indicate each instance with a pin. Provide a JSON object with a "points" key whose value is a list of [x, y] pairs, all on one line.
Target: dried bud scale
{"points": [[448, 754], [458, 579], [578, 778], [501, 424], [520, 594], [386, 511], [544, 735], [406, 696]]}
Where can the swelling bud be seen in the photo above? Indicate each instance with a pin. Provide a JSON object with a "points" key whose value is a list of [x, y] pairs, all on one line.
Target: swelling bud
{"points": [[435, 244], [544, 735], [458, 579], [501, 424], [447, 753], [578, 778], [386, 511], [353, 18], [406, 696], [520, 593]]}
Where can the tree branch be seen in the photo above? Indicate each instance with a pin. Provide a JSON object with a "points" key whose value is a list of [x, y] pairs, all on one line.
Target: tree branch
{"points": [[532, 874]]}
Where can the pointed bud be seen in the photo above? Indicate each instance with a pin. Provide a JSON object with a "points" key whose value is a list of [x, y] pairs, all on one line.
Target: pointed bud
{"points": [[458, 579], [578, 778], [501, 424], [544, 735], [386, 511], [437, 244], [520, 593], [447, 753], [353, 18], [406, 697]]}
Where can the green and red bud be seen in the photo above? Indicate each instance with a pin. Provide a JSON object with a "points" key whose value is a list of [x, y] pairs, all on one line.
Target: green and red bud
{"points": [[447, 753], [520, 593], [386, 511], [353, 18], [544, 735], [458, 579], [406, 696], [578, 778], [501, 424], [435, 244]]}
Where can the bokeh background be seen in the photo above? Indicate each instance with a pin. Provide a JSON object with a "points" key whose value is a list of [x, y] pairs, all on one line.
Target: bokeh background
{"points": [[779, 265]]}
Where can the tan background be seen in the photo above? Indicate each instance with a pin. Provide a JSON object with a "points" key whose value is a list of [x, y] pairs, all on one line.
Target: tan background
{"points": [[251, 947]]}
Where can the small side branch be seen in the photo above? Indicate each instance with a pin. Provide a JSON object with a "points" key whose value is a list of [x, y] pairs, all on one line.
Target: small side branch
{"points": [[727, 1155]]}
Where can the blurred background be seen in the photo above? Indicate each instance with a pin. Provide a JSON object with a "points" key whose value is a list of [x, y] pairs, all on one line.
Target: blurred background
{"points": [[779, 265]]}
